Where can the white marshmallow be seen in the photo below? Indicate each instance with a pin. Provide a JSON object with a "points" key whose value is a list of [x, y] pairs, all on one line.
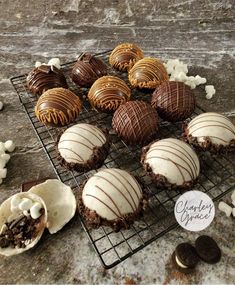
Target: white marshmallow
{"points": [[26, 213], [2, 163], [25, 204], [54, 61], [210, 91], [223, 207], [2, 148], [38, 63], [1, 105], [35, 210], [5, 156], [233, 195], [9, 145], [15, 201], [199, 80], [233, 212], [3, 173]]}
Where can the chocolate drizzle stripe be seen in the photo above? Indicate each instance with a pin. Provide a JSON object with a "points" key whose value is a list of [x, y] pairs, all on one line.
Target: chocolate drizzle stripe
{"points": [[80, 135], [95, 133], [176, 164], [124, 196], [118, 179], [75, 141], [225, 126], [204, 116], [192, 170], [110, 198], [184, 152], [208, 126], [213, 137], [102, 202], [65, 148]]}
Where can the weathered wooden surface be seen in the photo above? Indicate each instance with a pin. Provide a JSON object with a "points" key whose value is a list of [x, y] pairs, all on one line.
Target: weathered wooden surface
{"points": [[201, 33]]}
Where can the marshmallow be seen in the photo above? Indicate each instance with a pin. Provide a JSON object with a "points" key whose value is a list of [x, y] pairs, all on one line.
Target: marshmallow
{"points": [[38, 63], [210, 91], [35, 210], [2, 163], [26, 213], [233, 195], [9, 145], [199, 80], [5, 156], [2, 148], [223, 207], [54, 61], [1, 105], [233, 212], [15, 201], [25, 204], [3, 173]]}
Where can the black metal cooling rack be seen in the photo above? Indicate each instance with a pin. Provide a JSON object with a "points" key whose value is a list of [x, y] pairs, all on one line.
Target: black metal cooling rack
{"points": [[216, 177]]}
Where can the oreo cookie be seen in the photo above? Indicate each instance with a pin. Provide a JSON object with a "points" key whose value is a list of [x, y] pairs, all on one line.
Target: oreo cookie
{"points": [[185, 258], [207, 249]]}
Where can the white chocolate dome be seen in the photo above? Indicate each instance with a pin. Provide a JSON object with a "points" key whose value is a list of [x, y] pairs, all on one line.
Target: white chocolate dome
{"points": [[218, 128], [173, 159], [77, 143], [112, 193]]}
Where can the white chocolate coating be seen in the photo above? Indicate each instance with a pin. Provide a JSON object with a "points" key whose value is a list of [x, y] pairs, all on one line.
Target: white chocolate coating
{"points": [[215, 126], [112, 193], [77, 143], [173, 159], [179, 263]]}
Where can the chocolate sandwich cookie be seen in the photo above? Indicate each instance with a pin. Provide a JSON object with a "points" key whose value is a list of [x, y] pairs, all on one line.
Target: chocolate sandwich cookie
{"points": [[185, 258], [88, 69], [45, 77], [207, 249]]}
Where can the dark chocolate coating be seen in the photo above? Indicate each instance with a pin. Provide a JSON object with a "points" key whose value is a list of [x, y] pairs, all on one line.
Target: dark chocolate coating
{"points": [[174, 101], [124, 56], [207, 249], [108, 93], [58, 107], [136, 122], [45, 77], [87, 70]]}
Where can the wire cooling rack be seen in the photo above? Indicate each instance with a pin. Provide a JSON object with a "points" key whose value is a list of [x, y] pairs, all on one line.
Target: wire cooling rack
{"points": [[216, 177]]}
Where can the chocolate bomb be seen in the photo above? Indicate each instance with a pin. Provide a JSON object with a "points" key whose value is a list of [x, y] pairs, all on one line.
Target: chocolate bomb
{"points": [[136, 122], [108, 93], [45, 77], [124, 56], [174, 101], [58, 107], [87, 70], [148, 73]]}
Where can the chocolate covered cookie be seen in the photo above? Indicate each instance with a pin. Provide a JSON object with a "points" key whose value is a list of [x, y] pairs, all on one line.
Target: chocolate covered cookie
{"points": [[108, 93], [174, 101], [45, 77], [124, 56], [58, 107], [136, 122], [88, 69], [148, 73]]}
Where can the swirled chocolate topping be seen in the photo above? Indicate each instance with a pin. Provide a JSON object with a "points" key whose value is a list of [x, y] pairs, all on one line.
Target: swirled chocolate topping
{"points": [[148, 73], [124, 56], [58, 107], [45, 77], [87, 69], [108, 93], [174, 101], [136, 122]]}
